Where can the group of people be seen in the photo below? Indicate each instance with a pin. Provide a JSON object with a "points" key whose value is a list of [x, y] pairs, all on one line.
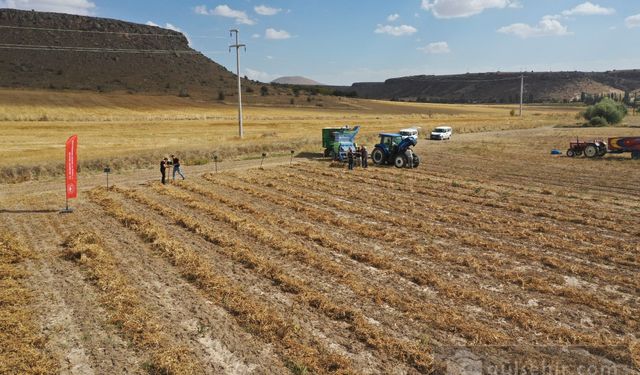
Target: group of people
{"points": [[167, 163], [362, 153]]}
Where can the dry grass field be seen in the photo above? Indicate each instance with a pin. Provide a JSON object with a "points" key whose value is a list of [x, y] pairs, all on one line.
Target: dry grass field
{"points": [[493, 253], [134, 131]]}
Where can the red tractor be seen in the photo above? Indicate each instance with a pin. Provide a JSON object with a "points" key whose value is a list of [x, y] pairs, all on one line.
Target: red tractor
{"points": [[590, 149]]}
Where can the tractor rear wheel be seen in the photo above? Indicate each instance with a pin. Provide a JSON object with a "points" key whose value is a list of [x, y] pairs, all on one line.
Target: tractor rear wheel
{"points": [[571, 153], [400, 161], [602, 151], [377, 156], [591, 151]]}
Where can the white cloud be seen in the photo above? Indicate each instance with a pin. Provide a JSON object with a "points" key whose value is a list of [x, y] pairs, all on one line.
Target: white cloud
{"points": [[393, 17], [401, 30], [257, 75], [264, 10], [256, 36], [465, 8], [269, 57], [225, 11], [633, 21], [436, 48], [202, 10], [170, 27], [81, 7], [589, 9], [274, 34], [548, 26]]}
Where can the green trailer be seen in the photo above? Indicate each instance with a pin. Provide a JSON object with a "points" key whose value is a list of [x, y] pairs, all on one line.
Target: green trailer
{"points": [[337, 141]]}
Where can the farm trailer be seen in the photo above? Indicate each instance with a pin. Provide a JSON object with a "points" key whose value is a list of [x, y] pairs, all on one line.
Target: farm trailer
{"points": [[338, 141], [599, 148]]}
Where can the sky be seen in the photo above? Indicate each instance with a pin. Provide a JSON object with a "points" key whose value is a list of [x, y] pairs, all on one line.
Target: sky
{"points": [[344, 41]]}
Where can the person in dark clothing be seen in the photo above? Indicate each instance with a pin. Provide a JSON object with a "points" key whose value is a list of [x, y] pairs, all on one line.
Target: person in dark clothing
{"points": [[364, 154], [350, 159], [176, 167], [163, 170]]}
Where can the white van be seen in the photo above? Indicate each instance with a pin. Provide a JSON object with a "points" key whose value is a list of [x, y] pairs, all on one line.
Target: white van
{"points": [[409, 132], [441, 132]]}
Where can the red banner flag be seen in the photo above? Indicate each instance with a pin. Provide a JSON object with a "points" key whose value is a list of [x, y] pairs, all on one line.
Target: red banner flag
{"points": [[71, 166]]}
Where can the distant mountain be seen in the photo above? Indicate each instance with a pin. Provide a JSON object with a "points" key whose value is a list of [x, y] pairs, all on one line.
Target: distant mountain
{"points": [[500, 87], [302, 81]]}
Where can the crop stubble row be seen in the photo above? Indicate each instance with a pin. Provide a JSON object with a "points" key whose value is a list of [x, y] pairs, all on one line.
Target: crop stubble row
{"points": [[537, 283], [23, 345], [303, 292], [255, 317], [525, 320]]}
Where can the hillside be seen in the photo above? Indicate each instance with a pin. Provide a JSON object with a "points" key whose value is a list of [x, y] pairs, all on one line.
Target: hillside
{"points": [[296, 80], [62, 51], [500, 87]]}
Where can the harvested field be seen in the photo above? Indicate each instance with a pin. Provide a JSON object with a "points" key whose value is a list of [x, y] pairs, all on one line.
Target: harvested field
{"points": [[484, 256], [129, 132]]}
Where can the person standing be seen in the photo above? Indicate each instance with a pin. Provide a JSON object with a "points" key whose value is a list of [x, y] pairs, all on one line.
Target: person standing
{"points": [[176, 167], [163, 170], [350, 159], [409, 155], [364, 154]]}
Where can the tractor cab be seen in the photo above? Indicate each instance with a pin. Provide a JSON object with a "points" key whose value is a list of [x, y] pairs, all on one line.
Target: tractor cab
{"points": [[390, 141]]}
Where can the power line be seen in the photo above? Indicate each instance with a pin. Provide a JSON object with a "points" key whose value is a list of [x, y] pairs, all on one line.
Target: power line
{"points": [[177, 35], [95, 50]]}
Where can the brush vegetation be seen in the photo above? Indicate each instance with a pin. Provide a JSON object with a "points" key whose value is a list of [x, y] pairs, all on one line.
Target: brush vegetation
{"points": [[606, 112]]}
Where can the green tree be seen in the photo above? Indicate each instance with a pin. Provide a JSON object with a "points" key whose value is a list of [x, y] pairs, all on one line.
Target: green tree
{"points": [[264, 91], [606, 111]]}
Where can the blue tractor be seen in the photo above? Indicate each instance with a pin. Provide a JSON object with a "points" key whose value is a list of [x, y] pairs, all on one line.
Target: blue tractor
{"points": [[391, 150]]}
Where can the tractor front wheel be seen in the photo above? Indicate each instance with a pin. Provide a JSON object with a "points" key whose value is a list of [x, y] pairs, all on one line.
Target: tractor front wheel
{"points": [[377, 156], [571, 153], [416, 161], [591, 151], [400, 161]]}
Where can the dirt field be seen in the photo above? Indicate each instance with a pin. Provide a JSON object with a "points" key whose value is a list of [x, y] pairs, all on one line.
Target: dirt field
{"points": [[493, 253]]}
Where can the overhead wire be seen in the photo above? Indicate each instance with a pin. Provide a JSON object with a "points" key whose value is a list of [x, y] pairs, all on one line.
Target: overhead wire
{"points": [[174, 34], [95, 50]]}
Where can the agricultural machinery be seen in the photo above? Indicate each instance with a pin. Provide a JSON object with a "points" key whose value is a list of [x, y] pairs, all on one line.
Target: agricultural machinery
{"points": [[391, 149], [338, 141], [599, 148]]}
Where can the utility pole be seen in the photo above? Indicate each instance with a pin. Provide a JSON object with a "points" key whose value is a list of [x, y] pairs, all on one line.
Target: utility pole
{"points": [[237, 46], [521, 92]]}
